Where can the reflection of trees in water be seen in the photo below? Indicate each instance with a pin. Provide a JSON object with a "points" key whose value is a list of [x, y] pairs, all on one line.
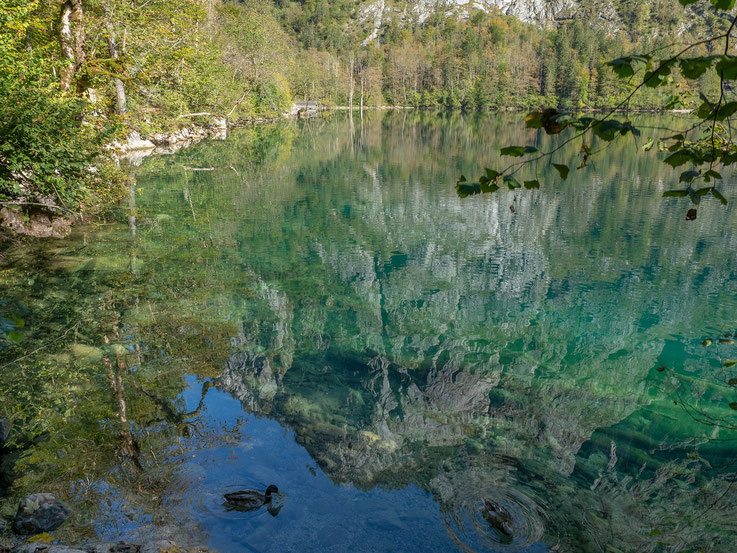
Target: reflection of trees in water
{"points": [[405, 336], [479, 336]]}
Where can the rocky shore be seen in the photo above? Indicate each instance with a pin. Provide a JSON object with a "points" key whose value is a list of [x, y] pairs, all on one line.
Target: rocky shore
{"points": [[163, 546]]}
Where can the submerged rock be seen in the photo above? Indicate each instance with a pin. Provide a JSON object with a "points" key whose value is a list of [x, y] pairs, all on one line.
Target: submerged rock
{"points": [[40, 512]]}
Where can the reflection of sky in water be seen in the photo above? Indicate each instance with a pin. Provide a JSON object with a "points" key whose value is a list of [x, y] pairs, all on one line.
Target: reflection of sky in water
{"points": [[317, 515]]}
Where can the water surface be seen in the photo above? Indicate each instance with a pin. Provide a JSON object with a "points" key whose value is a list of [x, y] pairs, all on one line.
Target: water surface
{"points": [[311, 305]]}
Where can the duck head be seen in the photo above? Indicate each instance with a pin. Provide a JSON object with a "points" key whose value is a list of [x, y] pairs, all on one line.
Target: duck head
{"points": [[271, 490]]}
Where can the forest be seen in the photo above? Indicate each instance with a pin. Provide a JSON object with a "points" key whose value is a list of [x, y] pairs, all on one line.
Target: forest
{"points": [[92, 71]]}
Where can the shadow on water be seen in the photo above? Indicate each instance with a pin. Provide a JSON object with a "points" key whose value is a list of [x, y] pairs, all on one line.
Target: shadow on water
{"points": [[319, 310]]}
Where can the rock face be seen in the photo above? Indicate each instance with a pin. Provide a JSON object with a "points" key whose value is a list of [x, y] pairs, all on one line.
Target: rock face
{"points": [[40, 512], [541, 12], [38, 225]]}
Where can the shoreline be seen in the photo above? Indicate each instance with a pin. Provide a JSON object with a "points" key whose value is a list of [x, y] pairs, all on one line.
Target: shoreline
{"points": [[46, 222]]}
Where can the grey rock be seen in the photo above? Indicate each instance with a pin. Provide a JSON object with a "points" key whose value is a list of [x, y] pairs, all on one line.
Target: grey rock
{"points": [[3, 526], [40, 512], [45, 548]]}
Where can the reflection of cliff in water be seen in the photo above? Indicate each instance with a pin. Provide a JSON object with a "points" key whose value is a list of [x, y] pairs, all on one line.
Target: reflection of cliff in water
{"points": [[416, 339]]}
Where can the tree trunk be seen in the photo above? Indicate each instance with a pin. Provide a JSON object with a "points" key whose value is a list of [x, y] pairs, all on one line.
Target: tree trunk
{"points": [[350, 100], [112, 43], [65, 41], [72, 41]]}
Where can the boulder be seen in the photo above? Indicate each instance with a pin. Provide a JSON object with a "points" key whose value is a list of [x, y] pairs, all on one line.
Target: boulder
{"points": [[40, 512], [135, 142]]}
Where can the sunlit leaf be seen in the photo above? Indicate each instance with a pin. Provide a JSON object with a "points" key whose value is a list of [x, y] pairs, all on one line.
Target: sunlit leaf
{"points": [[729, 363], [534, 120], [723, 4]]}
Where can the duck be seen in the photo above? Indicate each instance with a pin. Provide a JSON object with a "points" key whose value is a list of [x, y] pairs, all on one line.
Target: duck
{"points": [[499, 517], [250, 500]]}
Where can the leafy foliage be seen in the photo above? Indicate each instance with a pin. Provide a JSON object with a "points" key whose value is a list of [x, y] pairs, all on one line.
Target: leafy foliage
{"points": [[703, 147]]}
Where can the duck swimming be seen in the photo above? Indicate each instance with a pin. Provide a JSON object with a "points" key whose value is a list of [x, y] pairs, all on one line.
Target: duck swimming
{"points": [[499, 517], [250, 500]]}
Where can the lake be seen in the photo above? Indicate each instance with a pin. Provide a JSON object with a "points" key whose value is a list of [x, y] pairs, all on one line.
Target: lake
{"points": [[310, 304]]}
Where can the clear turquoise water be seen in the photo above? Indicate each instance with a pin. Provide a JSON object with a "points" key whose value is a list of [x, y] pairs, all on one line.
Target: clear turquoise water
{"points": [[388, 354]]}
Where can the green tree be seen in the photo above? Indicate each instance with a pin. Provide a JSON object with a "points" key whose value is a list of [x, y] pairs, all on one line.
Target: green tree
{"points": [[702, 148]]}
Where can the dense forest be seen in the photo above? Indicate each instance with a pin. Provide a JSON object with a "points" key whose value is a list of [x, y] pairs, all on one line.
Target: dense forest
{"points": [[93, 70]]}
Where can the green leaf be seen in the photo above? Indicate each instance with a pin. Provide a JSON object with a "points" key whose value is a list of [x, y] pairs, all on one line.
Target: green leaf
{"points": [[688, 176], [530, 184], [679, 158], [725, 111], [491, 174], [628, 127], [511, 182], [648, 145], [622, 67], [732, 382], [706, 343], [534, 119], [607, 130], [465, 189], [518, 151], [727, 66], [562, 170], [733, 405], [711, 174], [718, 196], [14, 336], [725, 5], [729, 363], [687, 2], [693, 68], [658, 76], [704, 110], [695, 196], [675, 193]]}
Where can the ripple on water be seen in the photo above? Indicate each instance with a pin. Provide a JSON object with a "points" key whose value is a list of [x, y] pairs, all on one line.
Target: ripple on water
{"points": [[472, 532]]}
